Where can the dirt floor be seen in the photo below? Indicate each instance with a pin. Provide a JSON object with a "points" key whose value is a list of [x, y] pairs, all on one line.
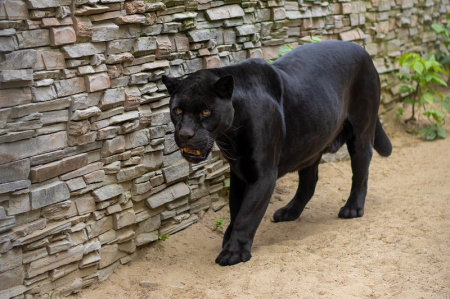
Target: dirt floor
{"points": [[399, 249]]}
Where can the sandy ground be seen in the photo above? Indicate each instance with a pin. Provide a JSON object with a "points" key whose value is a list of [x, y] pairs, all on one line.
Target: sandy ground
{"points": [[399, 249]]}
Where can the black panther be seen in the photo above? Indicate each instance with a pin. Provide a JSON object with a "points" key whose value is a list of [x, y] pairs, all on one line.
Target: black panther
{"points": [[271, 119]]}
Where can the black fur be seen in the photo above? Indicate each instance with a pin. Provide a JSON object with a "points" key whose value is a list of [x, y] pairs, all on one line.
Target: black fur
{"points": [[271, 119]]}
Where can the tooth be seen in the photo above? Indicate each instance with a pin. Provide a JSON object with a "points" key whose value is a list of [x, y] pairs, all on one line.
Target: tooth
{"points": [[197, 153]]}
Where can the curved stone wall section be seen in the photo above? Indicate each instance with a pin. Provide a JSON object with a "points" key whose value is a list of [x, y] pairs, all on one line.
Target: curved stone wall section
{"points": [[89, 170]]}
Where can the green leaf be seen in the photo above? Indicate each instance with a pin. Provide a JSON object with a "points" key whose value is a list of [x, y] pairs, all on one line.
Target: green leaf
{"points": [[315, 39], [438, 69], [445, 60], [438, 28], [437, 118], [431, 58], [402, 75], [162, 237], [441, 132], [405, 89], [438, 80], [429, 132], [430, 135], [446, 106], [428, 64], [434, 78], [437, 114], [284, 49], [407, 58], [226, 183], [418, 67], [428, 97]]}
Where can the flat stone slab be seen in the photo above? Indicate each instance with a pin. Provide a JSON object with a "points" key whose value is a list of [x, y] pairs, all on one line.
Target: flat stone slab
{"points": [[107, 192], [49, 194], [225, 12], [169, 194]]}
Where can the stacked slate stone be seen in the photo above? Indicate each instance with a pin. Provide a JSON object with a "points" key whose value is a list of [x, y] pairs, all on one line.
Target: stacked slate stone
{"points": [[396, 27], [89, 170]]}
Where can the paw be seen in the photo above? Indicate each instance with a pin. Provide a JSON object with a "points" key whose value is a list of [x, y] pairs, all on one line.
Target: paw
{"points": [[228, 258], [285, 214], [350, 212]]}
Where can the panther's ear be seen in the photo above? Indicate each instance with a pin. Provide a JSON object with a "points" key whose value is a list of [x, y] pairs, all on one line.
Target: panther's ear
{"points": [[170, 83], [224, 86]]}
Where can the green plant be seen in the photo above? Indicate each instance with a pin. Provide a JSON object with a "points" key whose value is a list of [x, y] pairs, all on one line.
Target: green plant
{"points": [[287, 48], [219, 222], [419, 76], [284, 49], [162, 237], [313, 39], [443, 56], [444, 31]]}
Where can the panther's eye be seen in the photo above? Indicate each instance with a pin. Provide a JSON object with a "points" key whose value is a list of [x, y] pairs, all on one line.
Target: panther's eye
{"points": [[179, 111], [206, 112]]}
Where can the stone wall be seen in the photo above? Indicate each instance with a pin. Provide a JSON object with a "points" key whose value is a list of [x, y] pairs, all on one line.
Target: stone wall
{"points": [[89, 170]]}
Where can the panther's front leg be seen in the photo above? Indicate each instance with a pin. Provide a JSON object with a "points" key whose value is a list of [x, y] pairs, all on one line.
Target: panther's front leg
{"points": [[246, 213]]}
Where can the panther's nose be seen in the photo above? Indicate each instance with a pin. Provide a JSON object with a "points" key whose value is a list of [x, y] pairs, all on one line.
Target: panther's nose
{"points": [[185, 134]]}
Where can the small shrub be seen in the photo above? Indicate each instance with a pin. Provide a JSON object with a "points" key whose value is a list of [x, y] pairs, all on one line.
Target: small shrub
{"points": [[284, 49], [419, 77], [162, 237], [313, 39], [218, 223], [287, 48]]}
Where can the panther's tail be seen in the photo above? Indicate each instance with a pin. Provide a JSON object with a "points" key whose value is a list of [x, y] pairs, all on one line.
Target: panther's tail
{"points": [[382, 143]]}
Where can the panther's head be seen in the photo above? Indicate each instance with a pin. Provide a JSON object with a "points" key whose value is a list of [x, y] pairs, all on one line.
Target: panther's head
{"points": [[201, 109]]}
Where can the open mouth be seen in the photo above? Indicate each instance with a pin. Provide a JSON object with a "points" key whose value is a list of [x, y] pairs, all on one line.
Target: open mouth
{"points": [[191, 151], [194, 155]]}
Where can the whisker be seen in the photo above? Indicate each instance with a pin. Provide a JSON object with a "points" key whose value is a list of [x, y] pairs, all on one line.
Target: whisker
{"points": [[230, 140], [222, 144], [236, 128], [228, 157], [226, 153]]}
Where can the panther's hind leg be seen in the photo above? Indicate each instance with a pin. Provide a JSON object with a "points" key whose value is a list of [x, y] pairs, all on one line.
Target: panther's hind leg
{"points": [[307, 184], [360, 149], [362, 114]]}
